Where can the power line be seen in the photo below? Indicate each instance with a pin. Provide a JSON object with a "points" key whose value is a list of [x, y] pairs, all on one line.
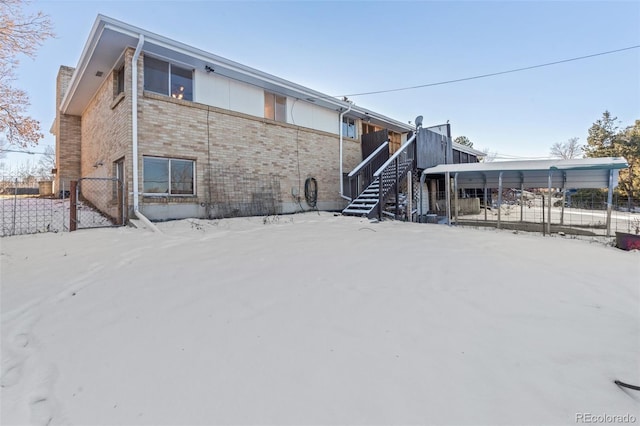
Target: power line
{"points": [[492, 74], [23, 152]]}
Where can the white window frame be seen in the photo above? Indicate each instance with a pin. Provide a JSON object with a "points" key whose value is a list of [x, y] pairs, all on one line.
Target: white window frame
{"points": [[345, 120]]}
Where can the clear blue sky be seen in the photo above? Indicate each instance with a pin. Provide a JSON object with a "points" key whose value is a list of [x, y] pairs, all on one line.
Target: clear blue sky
{"points": [[359, 46]]}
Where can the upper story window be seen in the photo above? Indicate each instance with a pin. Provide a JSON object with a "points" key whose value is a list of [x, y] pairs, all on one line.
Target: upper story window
{"points": [[119, 80], [275, 107], [349, 128], [168, 79]]}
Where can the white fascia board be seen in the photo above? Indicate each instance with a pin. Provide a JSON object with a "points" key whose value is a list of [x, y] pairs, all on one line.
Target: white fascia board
{"points": [[87, 52]]}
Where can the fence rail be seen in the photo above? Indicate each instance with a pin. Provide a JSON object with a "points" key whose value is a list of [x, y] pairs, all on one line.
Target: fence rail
{"points": [[100, 203], [581, 214]]}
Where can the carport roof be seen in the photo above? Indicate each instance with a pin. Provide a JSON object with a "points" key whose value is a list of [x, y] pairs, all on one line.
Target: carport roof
{"points": [[577, 173]]}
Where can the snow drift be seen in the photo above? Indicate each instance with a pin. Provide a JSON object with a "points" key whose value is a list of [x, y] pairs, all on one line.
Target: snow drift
{"points": [[315, 319]]}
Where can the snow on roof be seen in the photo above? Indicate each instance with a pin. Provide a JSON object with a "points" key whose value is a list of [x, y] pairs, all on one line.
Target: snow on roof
{"points": [[577, 173]]}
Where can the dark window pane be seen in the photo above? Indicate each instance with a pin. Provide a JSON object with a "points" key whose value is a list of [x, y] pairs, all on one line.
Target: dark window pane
{"points": [[181, 177], [120, 81], [181, 83], [156, 75], [156, 175]]}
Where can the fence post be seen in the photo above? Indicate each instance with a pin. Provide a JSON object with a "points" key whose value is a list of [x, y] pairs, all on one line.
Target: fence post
{"points": [[73, 207], [15, 202]]}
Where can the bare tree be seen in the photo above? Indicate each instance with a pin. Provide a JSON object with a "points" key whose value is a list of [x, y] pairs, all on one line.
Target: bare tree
{"points": [[566, 150], [47, 162], [463, 140], [4, 146], [489, 156], [19, 34]]}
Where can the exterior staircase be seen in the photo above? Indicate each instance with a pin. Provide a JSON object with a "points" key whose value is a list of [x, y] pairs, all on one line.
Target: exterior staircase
{"points": [[378, 182], [365, 204]]}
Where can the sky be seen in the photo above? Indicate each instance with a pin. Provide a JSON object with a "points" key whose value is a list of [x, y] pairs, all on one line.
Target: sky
{"points": [[351, 47]]}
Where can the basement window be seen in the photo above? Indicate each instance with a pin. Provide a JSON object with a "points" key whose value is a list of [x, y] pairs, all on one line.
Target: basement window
{"points": [[168, 176], [275, 107], [168, 79]]}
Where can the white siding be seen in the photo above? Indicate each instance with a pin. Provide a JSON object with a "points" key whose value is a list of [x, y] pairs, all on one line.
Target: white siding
{"points": [[211, 89], [246, 98], [325, 119], [299, 113], [222, 92]]}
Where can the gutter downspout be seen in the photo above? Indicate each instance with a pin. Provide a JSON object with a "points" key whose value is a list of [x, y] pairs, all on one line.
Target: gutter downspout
{"points": [[134, 135], [341, 142]]}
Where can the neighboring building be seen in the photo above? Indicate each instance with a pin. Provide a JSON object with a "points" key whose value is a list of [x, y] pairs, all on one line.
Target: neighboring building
{"points": [[191, 134]]}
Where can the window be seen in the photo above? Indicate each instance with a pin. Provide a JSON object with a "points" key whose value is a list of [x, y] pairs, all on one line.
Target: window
{"points": [[168, 79], [119, 80], [275, 107], [168, 176], [349, 128]]}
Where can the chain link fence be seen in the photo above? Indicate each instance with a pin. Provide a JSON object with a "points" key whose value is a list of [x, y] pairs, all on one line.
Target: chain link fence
{"points": [[574, 212], [30, 208], [100, 203]]}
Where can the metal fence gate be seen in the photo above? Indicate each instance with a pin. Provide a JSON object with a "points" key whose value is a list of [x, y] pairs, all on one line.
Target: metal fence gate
{"points": [[99, 203]]}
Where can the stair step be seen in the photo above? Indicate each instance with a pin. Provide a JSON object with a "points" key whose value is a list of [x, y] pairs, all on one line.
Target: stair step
{"points": [[356, 212]]}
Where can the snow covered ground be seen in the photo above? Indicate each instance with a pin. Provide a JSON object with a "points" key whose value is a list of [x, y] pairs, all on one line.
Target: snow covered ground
{"points": [[315, 319], [31, 215]]}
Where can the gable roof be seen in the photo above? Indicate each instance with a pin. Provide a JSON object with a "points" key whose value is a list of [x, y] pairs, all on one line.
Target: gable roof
{"points": [[577, 173], [110, 37]]}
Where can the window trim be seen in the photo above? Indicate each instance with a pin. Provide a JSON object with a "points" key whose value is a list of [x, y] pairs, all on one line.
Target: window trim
{"points": [[355, 127], [274, 106], [170, 65], [119, 77], [169, 193]]}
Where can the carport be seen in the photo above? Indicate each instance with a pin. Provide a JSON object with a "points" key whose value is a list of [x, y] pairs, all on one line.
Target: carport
{"points": [[577, 173]]}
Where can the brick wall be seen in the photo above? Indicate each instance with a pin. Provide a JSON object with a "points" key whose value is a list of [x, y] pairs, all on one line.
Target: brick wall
{"points": [[245, 165], [106, 137], [67, 131]]}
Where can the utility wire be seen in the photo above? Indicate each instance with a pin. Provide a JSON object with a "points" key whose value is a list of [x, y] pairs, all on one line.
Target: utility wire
{"points": [[23, 152], [491, 74]]}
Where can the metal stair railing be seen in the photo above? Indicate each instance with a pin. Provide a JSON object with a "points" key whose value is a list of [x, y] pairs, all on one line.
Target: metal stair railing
{"points": [[393, 170], [362, 175]]}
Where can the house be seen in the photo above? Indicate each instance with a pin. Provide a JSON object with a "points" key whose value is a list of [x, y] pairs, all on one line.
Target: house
{"points": [[170, 131]]}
